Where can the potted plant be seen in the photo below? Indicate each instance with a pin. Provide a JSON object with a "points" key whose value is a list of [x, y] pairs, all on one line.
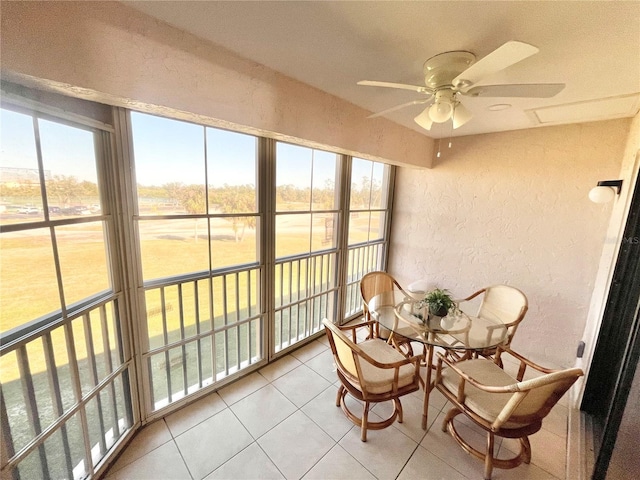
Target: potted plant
{"points": [[439, 302]]}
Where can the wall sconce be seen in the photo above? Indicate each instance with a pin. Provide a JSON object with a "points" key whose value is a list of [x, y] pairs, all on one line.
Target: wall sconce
{"points": [[605, 191]]}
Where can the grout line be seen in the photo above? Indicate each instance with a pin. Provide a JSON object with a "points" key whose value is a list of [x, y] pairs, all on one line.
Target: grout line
{"points": [[332, 385], [182, 457]]}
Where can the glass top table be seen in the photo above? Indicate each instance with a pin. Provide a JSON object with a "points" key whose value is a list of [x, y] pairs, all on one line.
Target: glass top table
{"points": [[406, 319]]}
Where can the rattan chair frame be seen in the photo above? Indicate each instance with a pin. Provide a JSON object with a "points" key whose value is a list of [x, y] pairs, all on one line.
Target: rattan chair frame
{"points": [[357, 387], [531, 423]]}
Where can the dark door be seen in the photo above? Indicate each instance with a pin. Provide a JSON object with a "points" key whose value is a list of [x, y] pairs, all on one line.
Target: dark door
{"points": [[618, 347]]}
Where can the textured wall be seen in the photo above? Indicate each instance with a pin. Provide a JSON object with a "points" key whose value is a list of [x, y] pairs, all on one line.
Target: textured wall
{"points": [[512, 208], [113, 54]]}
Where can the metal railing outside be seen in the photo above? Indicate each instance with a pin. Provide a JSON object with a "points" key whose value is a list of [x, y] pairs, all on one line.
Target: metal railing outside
{"points": [[64, 398], [305, 293], [201, 330], [362, 259]]}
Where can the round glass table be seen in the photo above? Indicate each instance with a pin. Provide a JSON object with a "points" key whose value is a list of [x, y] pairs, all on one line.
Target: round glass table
{"points": [[405, 318]]}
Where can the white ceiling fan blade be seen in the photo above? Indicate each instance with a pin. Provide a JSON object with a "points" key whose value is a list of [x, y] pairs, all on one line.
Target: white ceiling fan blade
{"points": [[403, 86], [461, 115], [532, 90], [424, 120], [398, 107], [508, 54]]}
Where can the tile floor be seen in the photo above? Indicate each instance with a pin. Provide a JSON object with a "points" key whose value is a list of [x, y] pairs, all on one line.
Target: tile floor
{"points": [[282, 422]]}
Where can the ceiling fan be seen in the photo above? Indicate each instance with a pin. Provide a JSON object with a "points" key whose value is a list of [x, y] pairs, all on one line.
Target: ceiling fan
{"points": [[449, 75]]}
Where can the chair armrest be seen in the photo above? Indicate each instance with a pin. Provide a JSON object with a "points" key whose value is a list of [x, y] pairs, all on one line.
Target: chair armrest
{"points": [[354, 327], [405, 361], [472, 296]]}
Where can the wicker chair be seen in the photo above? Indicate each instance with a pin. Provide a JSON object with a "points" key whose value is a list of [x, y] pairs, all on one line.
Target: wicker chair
{"points": [[371, 371], [504, 304], [500, 404], [376, 283]]}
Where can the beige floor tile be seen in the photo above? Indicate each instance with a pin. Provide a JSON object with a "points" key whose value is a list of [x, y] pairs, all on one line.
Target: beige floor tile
{"points": [[279, 368], [262, 434], [309, 351], [338, 465], [263, 410], [425, 465], [436, 399], [212, 442], [412, 407], [556, 421], [443, 446], [149, 438], [301, 385], [362, 334], [241, 388], [323, 365], [548, 451], [523, 472], [384, 453], [323, 411], [324, 340], [250, 463], [165, 462], [189, 416], [296, 445]]}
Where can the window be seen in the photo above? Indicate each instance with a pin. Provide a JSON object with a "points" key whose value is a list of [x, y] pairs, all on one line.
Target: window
{"points": [[369, 212], [63, 369], [237, 248], [307, 213], [198, 233]]}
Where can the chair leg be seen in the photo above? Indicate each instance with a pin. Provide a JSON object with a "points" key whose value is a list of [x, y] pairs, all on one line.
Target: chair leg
{"points": [[398, 406], [450, 414], [488, 459], [340, 392], [526, 450], [365, 422]]}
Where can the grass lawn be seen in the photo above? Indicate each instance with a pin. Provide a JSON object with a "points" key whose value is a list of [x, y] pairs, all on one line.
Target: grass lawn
{"points": [[29, 287]]}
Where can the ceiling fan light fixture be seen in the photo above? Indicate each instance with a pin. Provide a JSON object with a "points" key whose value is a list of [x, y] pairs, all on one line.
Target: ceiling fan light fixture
{"points": [[440, 111], [456, 73], [461, 115], [424, 120]]}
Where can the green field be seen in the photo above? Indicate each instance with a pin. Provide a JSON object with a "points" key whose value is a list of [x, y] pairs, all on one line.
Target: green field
{"points": [[29, 290]]}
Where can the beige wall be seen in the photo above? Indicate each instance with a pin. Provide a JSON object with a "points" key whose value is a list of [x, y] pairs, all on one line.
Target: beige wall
{"points": [[110, 53], [512, 208]]}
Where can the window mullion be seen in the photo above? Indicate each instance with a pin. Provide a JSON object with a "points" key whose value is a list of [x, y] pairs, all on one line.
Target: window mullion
{"points": [[343, 237], [266, 207]]}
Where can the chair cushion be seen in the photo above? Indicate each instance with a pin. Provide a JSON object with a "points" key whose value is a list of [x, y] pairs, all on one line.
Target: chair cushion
{"points": [[380, 380], [487, 405]]}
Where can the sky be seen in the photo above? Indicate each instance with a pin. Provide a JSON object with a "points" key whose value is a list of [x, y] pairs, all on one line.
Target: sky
{"points": [[66, 150], [168, 151]]}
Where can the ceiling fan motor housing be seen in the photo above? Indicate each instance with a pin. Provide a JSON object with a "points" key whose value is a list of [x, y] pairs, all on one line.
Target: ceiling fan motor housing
{"points": [[440, 70]]}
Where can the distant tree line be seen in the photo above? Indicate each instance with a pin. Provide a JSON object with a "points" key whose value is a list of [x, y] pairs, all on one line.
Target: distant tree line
{"points": [[229, 199], [62, 190]]}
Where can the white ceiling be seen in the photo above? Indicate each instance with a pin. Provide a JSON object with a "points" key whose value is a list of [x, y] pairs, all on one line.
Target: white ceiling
{"points": [[593, 47]]}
